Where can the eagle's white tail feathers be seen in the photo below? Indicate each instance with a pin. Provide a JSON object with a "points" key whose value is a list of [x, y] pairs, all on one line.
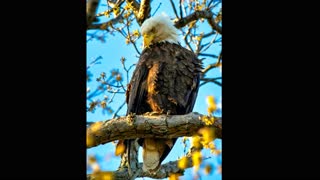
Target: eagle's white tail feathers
{"points": [[152, 151]]}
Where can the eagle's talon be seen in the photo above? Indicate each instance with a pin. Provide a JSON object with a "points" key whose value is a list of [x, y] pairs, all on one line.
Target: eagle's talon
{"points": [[153, 113]]}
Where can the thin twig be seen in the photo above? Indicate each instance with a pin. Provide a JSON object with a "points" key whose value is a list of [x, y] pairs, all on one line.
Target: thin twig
{"points": [[120, 107], [157, 9], [213, 80], [185, 38], [211, 42], [106, 25], [180, 7], [134, 44], [209, 55], [174, 9]]}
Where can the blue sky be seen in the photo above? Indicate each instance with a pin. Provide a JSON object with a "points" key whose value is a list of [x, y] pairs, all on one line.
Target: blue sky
{"points": [[111, 51]]}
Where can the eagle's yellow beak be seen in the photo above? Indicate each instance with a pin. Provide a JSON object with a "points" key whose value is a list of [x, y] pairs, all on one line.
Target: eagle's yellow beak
{"points": [[147, 39]]}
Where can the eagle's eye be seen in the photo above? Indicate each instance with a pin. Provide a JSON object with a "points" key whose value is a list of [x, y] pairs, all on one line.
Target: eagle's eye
{"points": [[153, 30]]}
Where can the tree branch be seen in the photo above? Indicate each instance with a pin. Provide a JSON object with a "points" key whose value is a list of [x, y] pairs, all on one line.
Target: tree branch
{"points": [[91, 11], [146, 126], [213, 80], [135, 6], [207, 14], [141, 11], [106, 25], [144, 11], [164, 171], [174, 9]]}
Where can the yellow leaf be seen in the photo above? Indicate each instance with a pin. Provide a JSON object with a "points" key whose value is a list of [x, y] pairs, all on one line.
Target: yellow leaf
{"points": [[192, 23], [120, 148], [183, 163], [95, 167], [103, 104], [89, 140], [96, 126], [116, 11], [128, 6], [211, 104], [208, 169], [127, 41], [174, 176], [107, 14], [208, 120], [118, 77], [126, 15], [136, 33], [196, 159], [91, 160], [207, 134], [212, 146], [196, 142], [106, 176]]}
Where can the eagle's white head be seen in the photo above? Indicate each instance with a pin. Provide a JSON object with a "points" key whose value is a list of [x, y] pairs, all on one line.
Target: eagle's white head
{"points": [[158, 29]]}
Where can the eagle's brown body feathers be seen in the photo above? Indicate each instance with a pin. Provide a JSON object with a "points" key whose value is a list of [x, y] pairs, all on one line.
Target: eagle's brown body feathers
{"points": [[166, 81]]}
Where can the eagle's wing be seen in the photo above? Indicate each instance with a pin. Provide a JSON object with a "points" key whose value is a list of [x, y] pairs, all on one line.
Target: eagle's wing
{"points": [[136, 93]]}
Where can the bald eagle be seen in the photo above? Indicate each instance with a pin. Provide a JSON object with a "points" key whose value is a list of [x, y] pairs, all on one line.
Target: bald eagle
{"points": [[165, 81]]}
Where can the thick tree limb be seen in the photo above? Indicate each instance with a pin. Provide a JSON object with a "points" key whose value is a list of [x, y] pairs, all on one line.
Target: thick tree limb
{"points": [[207, 14], [91, 11], [145, 126], [164, 172], [144, 11], [141, 11]]}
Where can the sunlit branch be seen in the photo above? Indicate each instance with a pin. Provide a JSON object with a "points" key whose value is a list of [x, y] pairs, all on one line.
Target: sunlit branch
{"points": [[207, 14], [220, 57], [146, 126], [198, 45], [164, 171], [116, 5], [209, 67], [144, 11], [135, 8]]}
